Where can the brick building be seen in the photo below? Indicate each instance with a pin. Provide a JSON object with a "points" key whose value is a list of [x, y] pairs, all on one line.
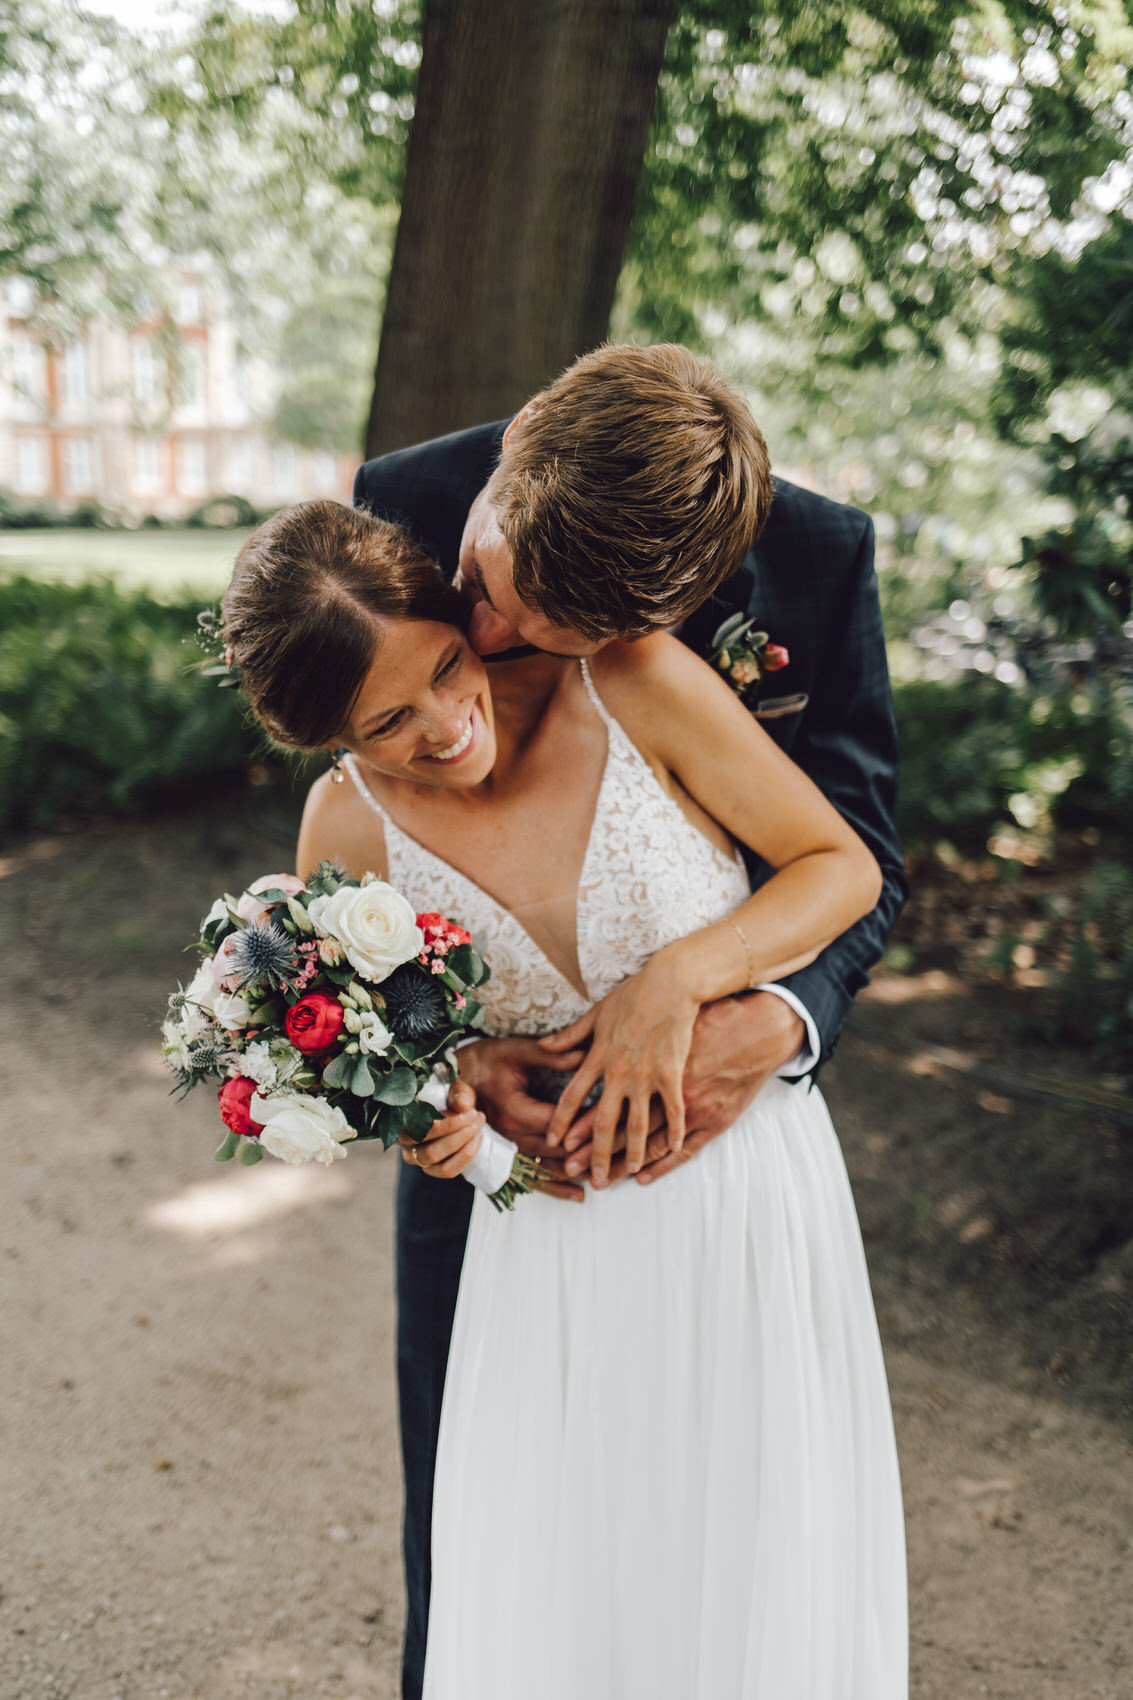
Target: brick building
{"points": [[149, 420]]}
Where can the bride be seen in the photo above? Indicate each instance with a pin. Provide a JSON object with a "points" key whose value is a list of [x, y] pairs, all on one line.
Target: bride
{"points": [[666, 1468]]}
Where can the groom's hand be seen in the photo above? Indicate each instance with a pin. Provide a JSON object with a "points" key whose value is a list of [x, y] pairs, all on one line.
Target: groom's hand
{"points": [[498, 1070], [737, 1045]]}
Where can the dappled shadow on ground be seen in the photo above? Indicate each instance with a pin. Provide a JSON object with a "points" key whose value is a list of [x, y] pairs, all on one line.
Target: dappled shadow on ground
{"points": [[988, 1184]]}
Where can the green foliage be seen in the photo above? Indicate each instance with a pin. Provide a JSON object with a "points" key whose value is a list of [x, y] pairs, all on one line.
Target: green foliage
{"points": [[874, 170], [1097, 987], [977, 755], [29, 513], [101, 704], [225, 513], [1066, 386]]}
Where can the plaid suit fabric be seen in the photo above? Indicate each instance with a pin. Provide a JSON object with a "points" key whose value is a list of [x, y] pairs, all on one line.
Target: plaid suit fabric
{"points": [[810, 584]]}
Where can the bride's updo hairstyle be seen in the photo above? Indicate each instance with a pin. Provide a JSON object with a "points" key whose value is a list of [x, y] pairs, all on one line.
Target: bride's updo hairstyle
{"points": [[303, 612]]}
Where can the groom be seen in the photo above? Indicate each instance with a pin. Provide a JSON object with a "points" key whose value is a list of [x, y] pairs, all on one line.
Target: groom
{"points": [[631, 495]]}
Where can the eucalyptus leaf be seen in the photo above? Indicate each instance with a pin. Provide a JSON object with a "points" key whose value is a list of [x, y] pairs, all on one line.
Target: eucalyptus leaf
{"points": [[419, 1118], [338, 1071], [250, 1152], [398, 1087], [226, 1150], [362, 1081]]}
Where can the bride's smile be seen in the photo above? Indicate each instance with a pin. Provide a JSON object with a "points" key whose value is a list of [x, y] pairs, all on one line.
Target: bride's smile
{"points": [[424, 710]]}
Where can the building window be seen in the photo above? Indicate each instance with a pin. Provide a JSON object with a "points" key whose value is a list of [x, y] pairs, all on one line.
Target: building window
{"points": [[238, 466], [29, 369], [74, 376], [146, 372], [78, 466], [192, 470], [147, 466], [188, 304], [31, 465], [325, 473], [191, 375], [22, 296], [283, 470]]}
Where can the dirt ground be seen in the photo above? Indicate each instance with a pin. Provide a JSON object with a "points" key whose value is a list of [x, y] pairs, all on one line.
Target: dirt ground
{"points": [[199, 1474]]}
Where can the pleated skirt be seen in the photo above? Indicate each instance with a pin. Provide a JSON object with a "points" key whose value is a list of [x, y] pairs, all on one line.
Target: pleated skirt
{"points": [[667, 1468]]}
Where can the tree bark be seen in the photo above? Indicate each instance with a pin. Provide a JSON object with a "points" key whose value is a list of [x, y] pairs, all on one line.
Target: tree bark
{"points": [[527, 144]]}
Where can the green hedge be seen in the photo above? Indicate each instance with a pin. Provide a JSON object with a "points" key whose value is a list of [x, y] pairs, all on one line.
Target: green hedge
{"points": [[102, 706], [977, 754], [101, 703]]}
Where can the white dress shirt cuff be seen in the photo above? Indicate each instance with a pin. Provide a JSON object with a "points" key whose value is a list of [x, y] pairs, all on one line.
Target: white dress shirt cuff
{"points": [[806, 1057]]}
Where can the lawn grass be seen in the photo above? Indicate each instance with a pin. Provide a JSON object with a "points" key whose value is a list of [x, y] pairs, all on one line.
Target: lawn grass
{"points": [[167, 564]]}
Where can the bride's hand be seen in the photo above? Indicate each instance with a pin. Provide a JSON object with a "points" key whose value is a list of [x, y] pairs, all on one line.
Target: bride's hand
{"points": [[640, 1035], [452, 1142]]}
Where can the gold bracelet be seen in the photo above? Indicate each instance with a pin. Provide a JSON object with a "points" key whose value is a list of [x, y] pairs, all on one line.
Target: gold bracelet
{"points": [[747, 951]]}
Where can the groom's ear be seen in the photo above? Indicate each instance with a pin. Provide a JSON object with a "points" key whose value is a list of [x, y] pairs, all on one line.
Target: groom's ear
{"points": [[522, 414]]}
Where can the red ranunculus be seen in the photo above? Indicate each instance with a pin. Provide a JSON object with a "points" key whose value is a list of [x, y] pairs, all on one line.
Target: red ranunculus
{"points": [[775, 657], [314, 1023], [235, 1096]]}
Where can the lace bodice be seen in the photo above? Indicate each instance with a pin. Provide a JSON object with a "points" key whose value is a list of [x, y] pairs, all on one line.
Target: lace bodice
{"points": [[649, 877]]}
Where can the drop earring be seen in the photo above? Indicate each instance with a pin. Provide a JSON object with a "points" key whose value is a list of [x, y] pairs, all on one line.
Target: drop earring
{"points": [[336, 773]]}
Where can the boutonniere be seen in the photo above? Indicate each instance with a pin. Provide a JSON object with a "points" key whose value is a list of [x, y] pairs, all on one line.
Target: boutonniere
{"points": [[744, 655]]}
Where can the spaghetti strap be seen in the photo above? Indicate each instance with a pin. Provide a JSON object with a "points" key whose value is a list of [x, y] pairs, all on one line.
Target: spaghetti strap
{"points": [[348, 762], [603, 712]]}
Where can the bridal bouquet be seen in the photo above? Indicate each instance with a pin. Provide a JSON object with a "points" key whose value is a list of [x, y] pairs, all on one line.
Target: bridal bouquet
{"points": [[329, 1011]]}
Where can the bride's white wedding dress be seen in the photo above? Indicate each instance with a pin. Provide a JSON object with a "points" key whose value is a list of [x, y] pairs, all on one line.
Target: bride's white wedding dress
{"points": [[666, 1467]]}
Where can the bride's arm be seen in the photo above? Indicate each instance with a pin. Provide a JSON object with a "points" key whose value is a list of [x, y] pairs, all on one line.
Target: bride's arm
{"points": [[684, 717], [337, 827]]}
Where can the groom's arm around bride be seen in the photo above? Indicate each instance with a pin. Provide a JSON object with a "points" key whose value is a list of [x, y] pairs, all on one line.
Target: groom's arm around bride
{"points": [[807, 583]]}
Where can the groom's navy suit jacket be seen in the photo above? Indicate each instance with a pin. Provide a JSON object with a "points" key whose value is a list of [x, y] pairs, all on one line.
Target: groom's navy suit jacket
{"points": [[810, 584]]}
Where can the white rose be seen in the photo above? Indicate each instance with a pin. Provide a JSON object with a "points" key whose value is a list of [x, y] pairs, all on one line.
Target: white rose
{"points": [[300, 1129], [201, 989], [231, 1009], [374, 1037], [376, 926], [218, 912]]}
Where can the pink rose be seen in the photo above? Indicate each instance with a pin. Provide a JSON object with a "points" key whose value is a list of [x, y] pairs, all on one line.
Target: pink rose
{"points": [[746, 672], [314, 1023], [249, 909], [775, 657], [221, 968], [235, 1096]]}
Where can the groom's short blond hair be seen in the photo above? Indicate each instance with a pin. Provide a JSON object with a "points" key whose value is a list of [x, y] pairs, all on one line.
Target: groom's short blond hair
{"points": [[629, 490]]}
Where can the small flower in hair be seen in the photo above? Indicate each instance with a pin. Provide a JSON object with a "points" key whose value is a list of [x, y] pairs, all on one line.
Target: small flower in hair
{"points": [[220, 659]]}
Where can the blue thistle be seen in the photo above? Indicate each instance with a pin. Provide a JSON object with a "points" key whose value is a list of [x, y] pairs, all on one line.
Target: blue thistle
{"points": [[263, 954], [415, 1004], [206, 1057]]}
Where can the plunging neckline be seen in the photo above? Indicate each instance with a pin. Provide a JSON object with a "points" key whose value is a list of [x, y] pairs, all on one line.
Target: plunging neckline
{"points": [[618, 742], [579, 992]]}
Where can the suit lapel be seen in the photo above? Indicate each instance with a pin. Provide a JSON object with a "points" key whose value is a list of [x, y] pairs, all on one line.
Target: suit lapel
{"points": [[733, 597]]}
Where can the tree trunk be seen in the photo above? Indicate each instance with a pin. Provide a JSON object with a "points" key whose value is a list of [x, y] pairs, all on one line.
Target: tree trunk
{"points": [[524, 156]]}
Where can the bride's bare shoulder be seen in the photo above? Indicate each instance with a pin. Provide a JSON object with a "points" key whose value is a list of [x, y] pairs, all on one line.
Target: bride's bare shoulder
{"points": [[338, 827], [657, 682]]}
